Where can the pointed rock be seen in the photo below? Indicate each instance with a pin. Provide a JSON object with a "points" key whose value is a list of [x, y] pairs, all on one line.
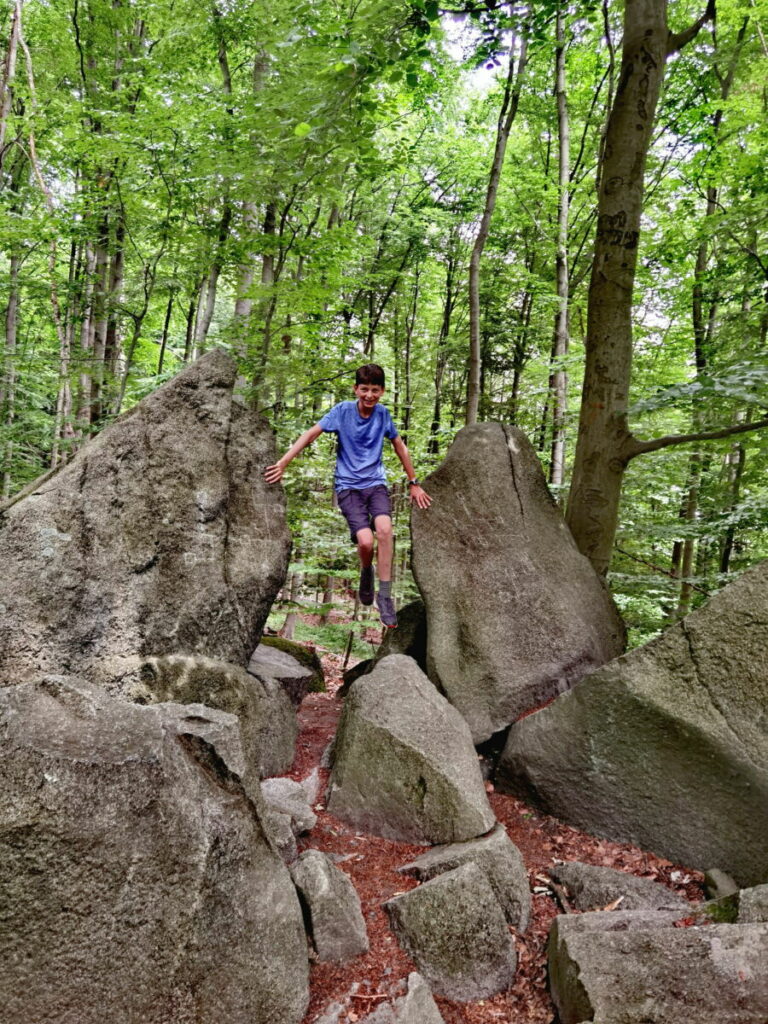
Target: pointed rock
{"points": [[519, 615], [159, 537]]}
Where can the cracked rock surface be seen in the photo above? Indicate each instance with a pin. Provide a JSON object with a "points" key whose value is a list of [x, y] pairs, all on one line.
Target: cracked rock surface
{"points": [[159, 537], [521, 615], [666, 747], [136, 879]]}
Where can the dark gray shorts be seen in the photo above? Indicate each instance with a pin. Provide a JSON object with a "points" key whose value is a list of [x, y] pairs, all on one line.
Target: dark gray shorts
{"points": [[360, 508]]}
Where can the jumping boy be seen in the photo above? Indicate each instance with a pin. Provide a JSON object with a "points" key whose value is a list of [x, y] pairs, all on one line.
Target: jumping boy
{"points": [[360, 480]]}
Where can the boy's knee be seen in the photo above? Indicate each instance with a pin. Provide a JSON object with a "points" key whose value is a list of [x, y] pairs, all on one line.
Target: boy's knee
{"points": [[364, 542], [383, 528]]}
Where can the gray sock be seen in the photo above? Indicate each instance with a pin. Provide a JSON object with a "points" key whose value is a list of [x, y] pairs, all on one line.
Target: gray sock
{"points": [[385, 588]]}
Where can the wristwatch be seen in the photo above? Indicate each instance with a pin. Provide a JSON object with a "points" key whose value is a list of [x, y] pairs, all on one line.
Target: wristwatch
{"points": [[413, 483]]}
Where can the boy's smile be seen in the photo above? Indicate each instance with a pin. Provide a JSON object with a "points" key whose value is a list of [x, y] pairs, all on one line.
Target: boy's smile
{"points": [[367, 396]]}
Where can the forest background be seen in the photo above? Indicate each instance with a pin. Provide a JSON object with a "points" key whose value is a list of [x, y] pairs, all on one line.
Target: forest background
{"points": [[551, 215]]}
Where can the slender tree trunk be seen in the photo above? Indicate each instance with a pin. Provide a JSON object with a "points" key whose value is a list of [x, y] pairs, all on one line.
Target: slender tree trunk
{"points": [[734, 471], [604, 445], [509, 105], [441, 358], [208, 295], [560, 340], [9, 73], [8, 404], [166, 329]]}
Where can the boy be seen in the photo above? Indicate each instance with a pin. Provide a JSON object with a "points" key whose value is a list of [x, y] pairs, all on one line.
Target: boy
{"points": [[360, 482]]}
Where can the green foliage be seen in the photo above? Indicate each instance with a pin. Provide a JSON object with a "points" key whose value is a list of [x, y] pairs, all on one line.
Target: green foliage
{"points": [[324, 168]]}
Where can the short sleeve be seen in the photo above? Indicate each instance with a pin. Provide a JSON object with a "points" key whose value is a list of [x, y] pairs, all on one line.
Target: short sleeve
{"points": [[332, 420], [390, 430]]}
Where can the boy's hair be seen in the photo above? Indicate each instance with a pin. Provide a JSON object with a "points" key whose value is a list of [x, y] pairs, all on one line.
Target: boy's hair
{"points": [[371, 373]]}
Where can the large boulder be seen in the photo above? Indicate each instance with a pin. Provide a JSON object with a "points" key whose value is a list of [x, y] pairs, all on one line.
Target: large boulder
{"points": [[160, 536], [403, 762], [268, 723], [454, 931], [627, 967], [521, 615], [136, 880], [666, 747]]}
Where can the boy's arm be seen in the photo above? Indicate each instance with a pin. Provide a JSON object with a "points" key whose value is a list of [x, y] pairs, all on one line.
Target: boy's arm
{"points": [[274, 473], [415, 491]]}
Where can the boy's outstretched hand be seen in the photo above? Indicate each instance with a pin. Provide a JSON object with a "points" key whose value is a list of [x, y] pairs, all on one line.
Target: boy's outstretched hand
{"points": [[419, 497], [274, 473]]}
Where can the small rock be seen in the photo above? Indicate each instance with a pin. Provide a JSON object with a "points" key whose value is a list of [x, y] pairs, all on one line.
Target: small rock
{"points": [[289, 797], [497, 856], [718, 883], [279, 828], [594, 888], [454, 930], [753, 904], [333, 907], [298, 670]]}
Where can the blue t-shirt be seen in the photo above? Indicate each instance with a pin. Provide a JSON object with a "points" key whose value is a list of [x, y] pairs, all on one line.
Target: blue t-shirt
{"points": [[361, 441]]}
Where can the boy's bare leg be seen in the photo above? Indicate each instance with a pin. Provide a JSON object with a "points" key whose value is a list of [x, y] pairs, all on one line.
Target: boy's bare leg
{"points": [[365, 553], [385, 541]]}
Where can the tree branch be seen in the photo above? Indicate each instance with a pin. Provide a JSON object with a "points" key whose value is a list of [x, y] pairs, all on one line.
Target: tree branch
{"points": [[677, 40], [635, 447]]}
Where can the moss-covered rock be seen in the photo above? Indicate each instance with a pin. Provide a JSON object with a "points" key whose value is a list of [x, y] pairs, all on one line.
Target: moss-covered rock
{"points": [[455, 932], [297, 668]]}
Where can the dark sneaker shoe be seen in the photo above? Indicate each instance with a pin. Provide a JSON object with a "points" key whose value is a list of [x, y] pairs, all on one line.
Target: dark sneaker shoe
{"points": [[366, 585], [387, 611]]}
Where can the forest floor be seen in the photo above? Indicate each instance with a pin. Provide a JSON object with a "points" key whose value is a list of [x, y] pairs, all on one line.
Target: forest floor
{"points": [[371, 862]]}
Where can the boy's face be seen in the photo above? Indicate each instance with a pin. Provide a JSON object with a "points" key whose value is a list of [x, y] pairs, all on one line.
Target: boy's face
{"points": [[368, 395]]}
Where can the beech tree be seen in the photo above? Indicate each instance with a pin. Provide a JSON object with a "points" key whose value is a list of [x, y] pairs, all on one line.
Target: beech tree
{"points": [[605, 443]]}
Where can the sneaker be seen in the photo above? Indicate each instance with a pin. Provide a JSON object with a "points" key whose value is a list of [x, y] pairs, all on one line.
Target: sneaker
{"points": [[366, 585], [387, 611]]}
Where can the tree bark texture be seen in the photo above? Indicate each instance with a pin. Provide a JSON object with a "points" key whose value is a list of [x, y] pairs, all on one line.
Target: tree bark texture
{"points": [[604, 445]]}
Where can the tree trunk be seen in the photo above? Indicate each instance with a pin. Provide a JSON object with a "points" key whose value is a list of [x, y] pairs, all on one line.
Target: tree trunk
{"points": [[604, 445], [560, 340], [441, 358], [8, 404], [509, 104], [9, 73]]}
